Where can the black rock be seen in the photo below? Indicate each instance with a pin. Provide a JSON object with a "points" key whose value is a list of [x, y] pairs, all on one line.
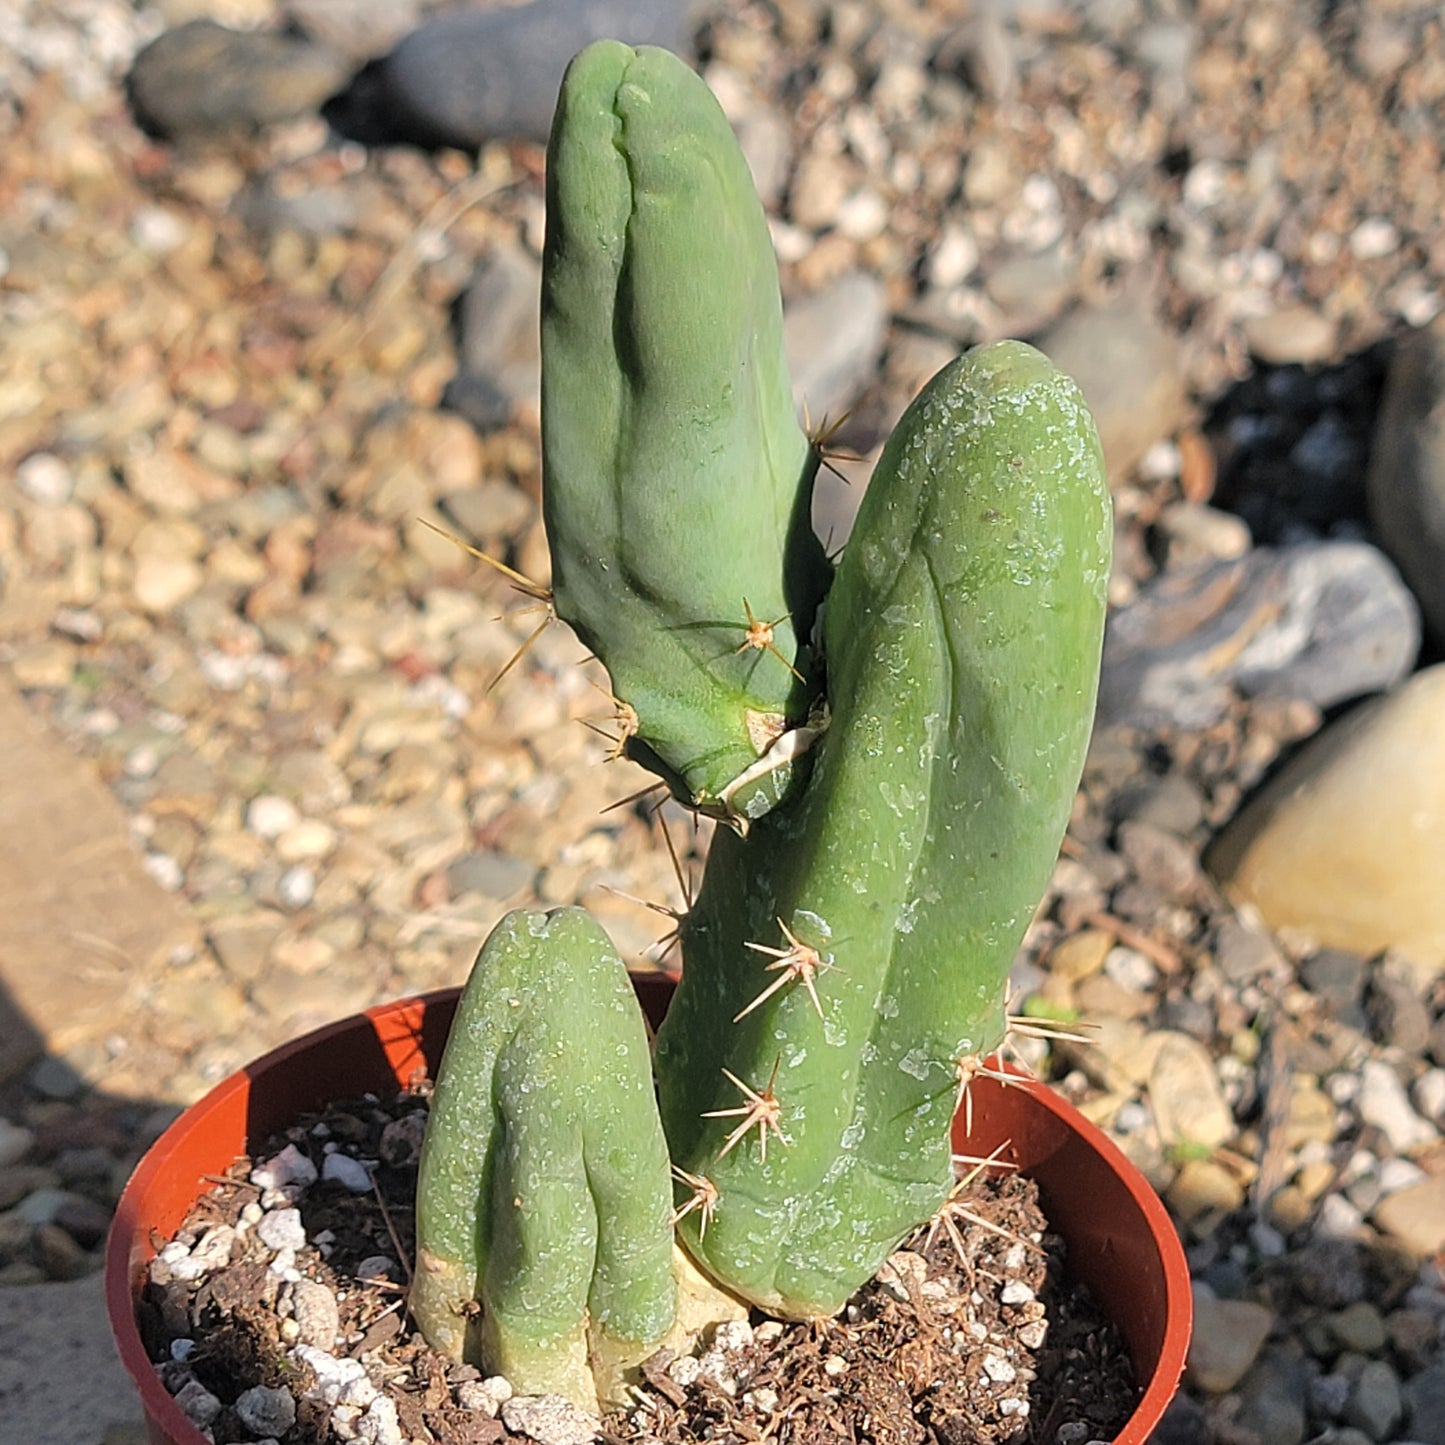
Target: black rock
{"points": [[1335, 977], [201, 79], [474, 76], [1398, 1013]]}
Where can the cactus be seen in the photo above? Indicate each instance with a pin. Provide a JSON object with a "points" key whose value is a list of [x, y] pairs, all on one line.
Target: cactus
{"points": [[668, 428], [895, 819]]}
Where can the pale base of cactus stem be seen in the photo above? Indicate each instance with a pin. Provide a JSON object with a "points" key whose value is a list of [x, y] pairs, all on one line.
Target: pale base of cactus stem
{"points": [[588, 1366]]}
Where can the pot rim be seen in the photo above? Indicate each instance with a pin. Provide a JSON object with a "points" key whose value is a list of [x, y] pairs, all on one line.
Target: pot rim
{"points": [[397, 1028]]}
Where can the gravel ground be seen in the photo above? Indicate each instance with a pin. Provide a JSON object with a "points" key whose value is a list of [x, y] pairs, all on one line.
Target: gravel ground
{"points": [[240, 369]]}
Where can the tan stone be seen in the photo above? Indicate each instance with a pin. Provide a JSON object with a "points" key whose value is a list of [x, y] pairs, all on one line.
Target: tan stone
{"points": [[83, 928], [1416, 1216], [1184, 1093], [1080, 955], [1348, 843]]}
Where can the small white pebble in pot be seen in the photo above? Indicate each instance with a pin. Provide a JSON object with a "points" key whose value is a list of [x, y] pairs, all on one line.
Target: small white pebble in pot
{"points": [[289, 1167], [282, 1229], [350, 1173]]}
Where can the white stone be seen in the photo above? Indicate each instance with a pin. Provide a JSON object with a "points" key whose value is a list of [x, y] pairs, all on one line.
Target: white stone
{"points": [[1384, 1103], [549, 1420], [282, 1229], [1429, 1095], [350, 1173], [297, 887], [269, 816], [289, 1167], [45, 479], [335, 1377]]}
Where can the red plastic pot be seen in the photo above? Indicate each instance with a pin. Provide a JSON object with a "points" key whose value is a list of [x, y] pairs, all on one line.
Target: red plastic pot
{"points": [[1120, 1240]]}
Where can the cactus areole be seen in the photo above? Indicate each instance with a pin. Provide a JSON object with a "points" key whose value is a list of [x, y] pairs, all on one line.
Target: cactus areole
{"points": [[895, 743]]}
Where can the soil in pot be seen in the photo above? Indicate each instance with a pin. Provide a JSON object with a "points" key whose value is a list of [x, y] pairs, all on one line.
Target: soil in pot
{"points": [[279, 1308]]}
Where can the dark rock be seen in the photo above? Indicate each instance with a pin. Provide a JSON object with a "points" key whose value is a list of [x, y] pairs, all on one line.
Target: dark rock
{"points": [[1398, 1013], [478, 400], [1436, 1045], [1184, 1423], [473, 76], [1405, 487], [202, 79], [1335, 977], [499, 323], [1271, 1400], [1189, 1016], [1425, 1403], [1322, 621]]}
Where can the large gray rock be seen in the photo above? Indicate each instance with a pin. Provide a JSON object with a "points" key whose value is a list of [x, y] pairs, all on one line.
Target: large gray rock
{"points": [[478, 75], [1322, 621], [202, 79], [1406, 483]]}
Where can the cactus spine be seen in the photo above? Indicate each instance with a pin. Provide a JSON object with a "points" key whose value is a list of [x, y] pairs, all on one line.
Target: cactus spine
{"points": [[845, 962]]}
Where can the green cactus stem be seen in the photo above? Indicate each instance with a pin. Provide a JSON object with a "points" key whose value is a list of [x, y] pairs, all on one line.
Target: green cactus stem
{"points": [[677, 480], [544, 1195], [962, 643]]}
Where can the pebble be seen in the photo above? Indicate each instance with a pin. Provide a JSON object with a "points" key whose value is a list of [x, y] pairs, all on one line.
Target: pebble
{"points": [[1228, 1336], [1406, 482], [288, 1169], [338, 1381], [1415, 1217], [1384, 1103], [202, 79], [549, 1420], [15, 1142], [1184, 1093], [269, 816], [282, 1229], [198, 1404], [265, 1410], [44, 478], [1292, 335], [499, 321], [316, 1313], [1321, 621], [1375, 1405], [350, 1173], [1347, 843], [465, 78], [833, 338], [1130, 370]]}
